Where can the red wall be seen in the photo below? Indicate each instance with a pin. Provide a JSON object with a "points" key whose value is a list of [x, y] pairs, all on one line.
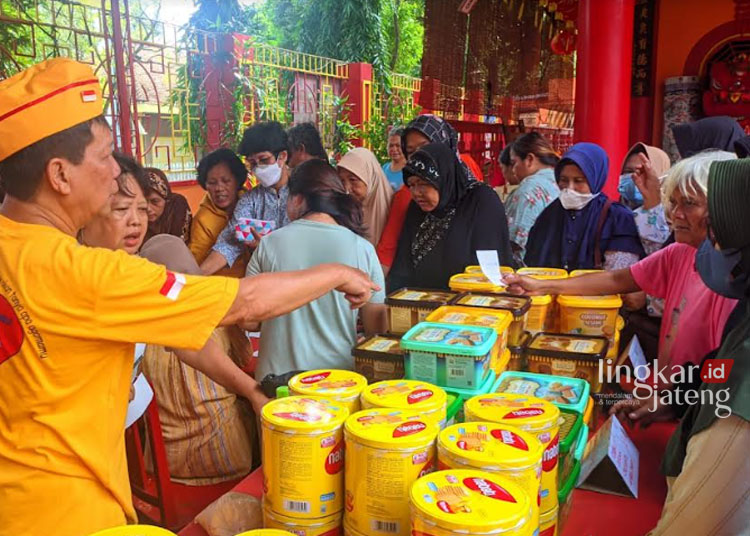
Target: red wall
{"points": [[681, 24]]}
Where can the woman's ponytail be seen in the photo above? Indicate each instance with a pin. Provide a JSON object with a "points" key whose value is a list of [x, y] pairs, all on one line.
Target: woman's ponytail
{"points": [[320, 186]]}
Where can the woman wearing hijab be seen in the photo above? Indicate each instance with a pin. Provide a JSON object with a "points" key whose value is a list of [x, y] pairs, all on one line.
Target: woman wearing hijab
{"points": [[450, 219], [641, 174], [168, 213], [583, 228], [420, 131], [366, 182], [694, 316], [706, 461], [709, 133]]}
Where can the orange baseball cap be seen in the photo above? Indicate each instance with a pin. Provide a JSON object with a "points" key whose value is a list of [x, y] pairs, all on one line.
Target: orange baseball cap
{"points": [[44, 99]]}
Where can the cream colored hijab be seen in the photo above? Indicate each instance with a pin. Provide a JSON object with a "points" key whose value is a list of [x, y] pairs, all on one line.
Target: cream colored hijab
{"points": [[377, 203], [658, 158]]}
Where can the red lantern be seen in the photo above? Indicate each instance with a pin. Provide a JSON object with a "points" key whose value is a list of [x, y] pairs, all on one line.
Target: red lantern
{"points": [[564, 42]]}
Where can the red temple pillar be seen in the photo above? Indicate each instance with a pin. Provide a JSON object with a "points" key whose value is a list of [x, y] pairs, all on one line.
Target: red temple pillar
{"points": [[603, 79], [359, 90], [217, 79]]}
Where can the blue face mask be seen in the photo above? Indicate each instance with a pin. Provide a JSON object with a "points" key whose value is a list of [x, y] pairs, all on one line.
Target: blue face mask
{"points": [[719, 270], [629, 191]]}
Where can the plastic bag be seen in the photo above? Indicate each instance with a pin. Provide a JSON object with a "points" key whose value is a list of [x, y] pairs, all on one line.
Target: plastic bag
{"points": [[231, 514]]}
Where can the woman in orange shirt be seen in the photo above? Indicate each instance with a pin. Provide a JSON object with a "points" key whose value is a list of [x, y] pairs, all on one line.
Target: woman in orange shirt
{"points": [[222, 174]]}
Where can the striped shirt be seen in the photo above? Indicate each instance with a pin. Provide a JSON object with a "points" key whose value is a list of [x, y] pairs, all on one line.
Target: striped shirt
{"points": [[207, 431]]}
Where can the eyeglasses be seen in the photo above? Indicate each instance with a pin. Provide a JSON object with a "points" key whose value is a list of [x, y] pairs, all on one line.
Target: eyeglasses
{"points": [[263, 161]]}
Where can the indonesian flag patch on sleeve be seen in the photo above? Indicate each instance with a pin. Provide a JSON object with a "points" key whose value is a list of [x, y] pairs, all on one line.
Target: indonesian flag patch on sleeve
{"points": [[173, 285], [88, 95]]}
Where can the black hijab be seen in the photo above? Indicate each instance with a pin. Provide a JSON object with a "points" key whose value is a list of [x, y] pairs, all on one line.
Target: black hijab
{"points": [[469, 217], [709, 133], [437, 164]]}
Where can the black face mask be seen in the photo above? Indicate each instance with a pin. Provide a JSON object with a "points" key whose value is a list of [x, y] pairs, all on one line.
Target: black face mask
{"points": [[720, 270]]}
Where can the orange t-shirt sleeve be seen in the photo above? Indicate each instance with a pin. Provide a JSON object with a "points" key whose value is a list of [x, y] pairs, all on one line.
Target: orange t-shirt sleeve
{"points": [[133, 300], [388, 244]]}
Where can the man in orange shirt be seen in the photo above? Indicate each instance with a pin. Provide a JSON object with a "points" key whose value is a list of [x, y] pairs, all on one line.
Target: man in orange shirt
{"points": [[69, 313]]}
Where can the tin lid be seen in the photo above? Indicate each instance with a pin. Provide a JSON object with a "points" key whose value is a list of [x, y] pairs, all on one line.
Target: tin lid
{"points": [[474, 269], [266, 532], [568, 346], [485, 444], [577, 273], [380, 347], [517, 305], [304, 413], [470, 501], [611, 301], [419, 297], [562, 391], [525, 412], [470, 341], [405, 394], [343, 384], [544, 273], [544, 299], [473, 281], [388, 428], [497, 319]]}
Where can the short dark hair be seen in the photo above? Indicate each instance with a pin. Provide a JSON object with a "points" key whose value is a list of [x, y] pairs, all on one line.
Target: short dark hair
{"points": [[505, 155], [222, 156], [536, 144], [128, 166], [22, 172], [307, 135], [269, 136]]}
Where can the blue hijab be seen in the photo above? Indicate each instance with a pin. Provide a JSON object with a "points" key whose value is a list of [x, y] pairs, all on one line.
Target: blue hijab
{"points": [[566, 238]]}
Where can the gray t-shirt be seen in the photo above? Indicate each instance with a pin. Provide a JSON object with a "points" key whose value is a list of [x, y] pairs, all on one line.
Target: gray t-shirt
{"points": [[322, 333]]}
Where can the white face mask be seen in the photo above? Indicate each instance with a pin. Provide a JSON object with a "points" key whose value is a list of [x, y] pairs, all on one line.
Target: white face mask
{"points": [[268, 175], [572, 200]]}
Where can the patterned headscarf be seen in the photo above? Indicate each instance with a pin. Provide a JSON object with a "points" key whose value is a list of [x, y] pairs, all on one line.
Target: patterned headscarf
{"points": [[434, 128], [437, 130], [176, 218]]}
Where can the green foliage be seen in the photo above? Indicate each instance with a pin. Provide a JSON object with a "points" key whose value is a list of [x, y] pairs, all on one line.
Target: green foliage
{"points": [[396, 111], [348, 30], [406, 31]]}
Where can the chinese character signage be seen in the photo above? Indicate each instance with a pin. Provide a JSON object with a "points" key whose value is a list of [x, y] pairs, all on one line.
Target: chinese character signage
{"points": [[643, 43]]}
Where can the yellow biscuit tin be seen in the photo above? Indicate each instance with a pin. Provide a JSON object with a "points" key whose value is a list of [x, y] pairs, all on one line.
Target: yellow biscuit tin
{"points": [[530, 414], [407, 395], [278, 523], [303, 456], [342, 386], [471, 502], [495, 448], [387, 450]]}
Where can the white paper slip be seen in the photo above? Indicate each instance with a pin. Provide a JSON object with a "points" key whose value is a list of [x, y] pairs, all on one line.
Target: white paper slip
{"points": [[141, 400], [638, 359], [490, 264], [625, 456]]}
